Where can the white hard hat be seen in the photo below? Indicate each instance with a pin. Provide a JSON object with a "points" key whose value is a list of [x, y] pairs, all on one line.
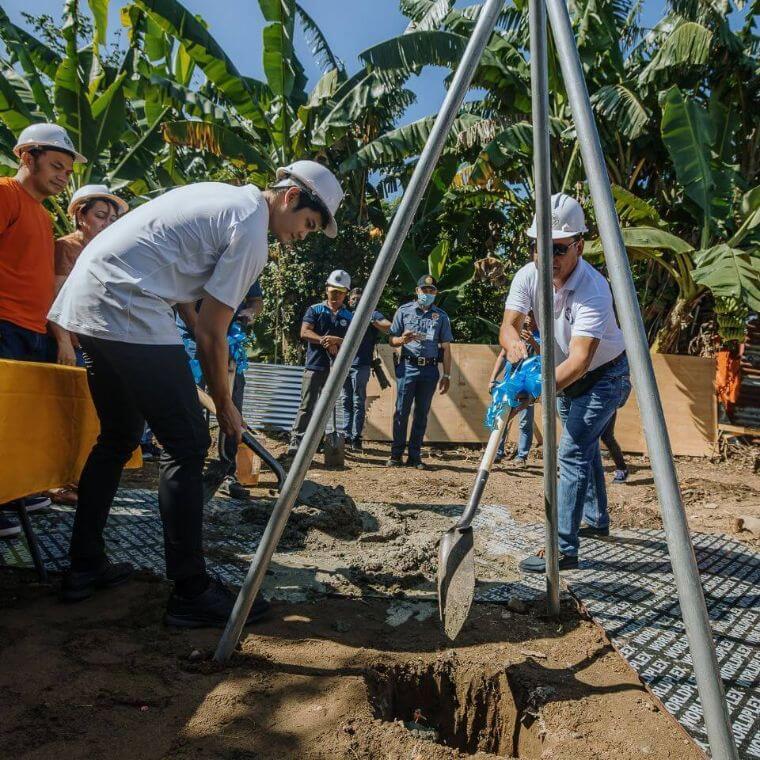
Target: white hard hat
{"points": [[320, 182], [47, 136], [88, 192], [339, 278], [568, 218]]}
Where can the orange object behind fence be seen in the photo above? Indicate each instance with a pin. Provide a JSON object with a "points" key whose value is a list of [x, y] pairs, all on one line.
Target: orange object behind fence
{"points": [[48, 426], [728, 378]]}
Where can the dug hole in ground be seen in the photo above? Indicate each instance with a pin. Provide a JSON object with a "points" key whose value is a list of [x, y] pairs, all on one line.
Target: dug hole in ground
{"points": [[351, 669]]}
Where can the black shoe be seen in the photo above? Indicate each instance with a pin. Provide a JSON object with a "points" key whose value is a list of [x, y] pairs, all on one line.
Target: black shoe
{"points": [[211, 609], [293, 445], [150, 452], [418, 464], [356, 445], [230, 487], [82, 584], [536, 564], [394, 462], [589, 531]]}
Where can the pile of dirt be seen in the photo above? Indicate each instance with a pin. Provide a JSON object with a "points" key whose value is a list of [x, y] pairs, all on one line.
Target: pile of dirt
{"points": [[319, 507], [329, 509]]}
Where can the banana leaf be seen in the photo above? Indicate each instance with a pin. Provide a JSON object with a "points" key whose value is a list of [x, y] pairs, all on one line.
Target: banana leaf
{"points": [[622, 107], [635, 211], [222, 142], [177, 21], [403, 143], [70, 92], [14, 112], [730, 273], [688, 134], [16, 43], [317, 41], [278, 45], [686, 45], [645, 239]]}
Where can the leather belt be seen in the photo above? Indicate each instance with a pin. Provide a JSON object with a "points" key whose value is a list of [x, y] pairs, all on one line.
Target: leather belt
{"points": [[419, 361], [585, 383]]}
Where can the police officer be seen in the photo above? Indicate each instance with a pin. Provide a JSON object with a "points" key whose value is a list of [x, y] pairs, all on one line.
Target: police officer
{"points": [[422, 331], [323, 327]]}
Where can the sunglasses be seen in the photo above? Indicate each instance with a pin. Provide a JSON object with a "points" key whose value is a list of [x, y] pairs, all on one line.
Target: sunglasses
{"points": [[558, 249]]}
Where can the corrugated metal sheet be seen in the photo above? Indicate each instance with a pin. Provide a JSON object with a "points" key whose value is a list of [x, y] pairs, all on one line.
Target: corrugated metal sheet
{"points": [[747, 408], [272, 396]]}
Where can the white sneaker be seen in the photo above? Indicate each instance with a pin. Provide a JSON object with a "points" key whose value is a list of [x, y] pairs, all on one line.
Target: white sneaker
{"points": [[33, 503], [9, 528]]}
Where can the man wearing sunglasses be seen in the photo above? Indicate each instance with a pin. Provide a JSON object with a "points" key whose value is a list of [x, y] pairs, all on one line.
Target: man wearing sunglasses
{"points": [[591, 373]]}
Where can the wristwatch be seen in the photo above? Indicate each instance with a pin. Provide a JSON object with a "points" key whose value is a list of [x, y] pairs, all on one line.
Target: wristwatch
{"points": [[447, 377]]}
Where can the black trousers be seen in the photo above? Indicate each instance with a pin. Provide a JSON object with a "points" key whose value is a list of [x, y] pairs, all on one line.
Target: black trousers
{"points": [[129, 384]]}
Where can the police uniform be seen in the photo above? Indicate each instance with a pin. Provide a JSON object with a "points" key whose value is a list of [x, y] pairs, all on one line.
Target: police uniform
{"points": [[324, 321], [417, 370]]}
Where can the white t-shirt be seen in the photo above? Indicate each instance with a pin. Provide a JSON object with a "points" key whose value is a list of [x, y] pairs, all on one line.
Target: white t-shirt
{"points": [[582, 306], [204, 238]]}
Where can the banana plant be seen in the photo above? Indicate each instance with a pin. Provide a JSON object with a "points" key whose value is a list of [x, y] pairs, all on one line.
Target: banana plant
{"points": [[106, 109], [729, 270], [274, 122]]}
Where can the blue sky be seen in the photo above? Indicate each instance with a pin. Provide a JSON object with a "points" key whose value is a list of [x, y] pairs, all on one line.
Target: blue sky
{"points": [[350, 26]]}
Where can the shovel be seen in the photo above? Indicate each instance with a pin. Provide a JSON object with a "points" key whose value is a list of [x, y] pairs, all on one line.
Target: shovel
{"points": [[335, 445], [456, 552], [216, 470]]}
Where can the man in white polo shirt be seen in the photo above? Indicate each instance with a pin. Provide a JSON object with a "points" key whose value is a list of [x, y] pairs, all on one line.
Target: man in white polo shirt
{"points": [[591, 372], [209, 241]]}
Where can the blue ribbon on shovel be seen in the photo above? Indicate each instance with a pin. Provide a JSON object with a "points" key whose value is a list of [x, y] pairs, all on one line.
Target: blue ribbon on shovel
{"points": [[520, 379]]}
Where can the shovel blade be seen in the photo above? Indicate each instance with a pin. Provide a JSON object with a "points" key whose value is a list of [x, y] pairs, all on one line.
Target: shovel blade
{"points": [[216, 471], [456, 578], [335, 455]]}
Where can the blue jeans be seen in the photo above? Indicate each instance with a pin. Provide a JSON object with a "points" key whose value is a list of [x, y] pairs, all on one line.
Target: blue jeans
{"points": [[525, 440], [354, 401], [416, 385], [582, 494], [22, 344]]}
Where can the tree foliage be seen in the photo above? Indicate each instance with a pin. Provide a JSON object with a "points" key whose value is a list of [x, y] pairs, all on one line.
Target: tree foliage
{"points": [[676, 108]]}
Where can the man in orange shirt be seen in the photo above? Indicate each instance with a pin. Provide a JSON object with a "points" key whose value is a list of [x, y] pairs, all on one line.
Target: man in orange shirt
{"points": [[47, 157]]}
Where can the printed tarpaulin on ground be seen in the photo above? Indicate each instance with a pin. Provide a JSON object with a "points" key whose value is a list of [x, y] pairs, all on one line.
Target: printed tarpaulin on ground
{"points": [[48, 425]]}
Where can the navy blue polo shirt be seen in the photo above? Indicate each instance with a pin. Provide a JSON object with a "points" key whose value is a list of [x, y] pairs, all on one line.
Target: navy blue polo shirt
{"points": [[324, 322], [363, 356], [434, 323], [254, 291]]}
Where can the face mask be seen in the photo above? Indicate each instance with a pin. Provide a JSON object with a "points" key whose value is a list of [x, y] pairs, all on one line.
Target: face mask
{"points": [[425, 299]]}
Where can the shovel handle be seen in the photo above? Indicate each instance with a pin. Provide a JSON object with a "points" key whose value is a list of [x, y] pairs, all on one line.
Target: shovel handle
{"points": [[484, 470], [250, 440]]}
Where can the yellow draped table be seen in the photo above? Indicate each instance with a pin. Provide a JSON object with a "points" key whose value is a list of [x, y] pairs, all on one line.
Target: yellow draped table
{"points": [[48, 426]]}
